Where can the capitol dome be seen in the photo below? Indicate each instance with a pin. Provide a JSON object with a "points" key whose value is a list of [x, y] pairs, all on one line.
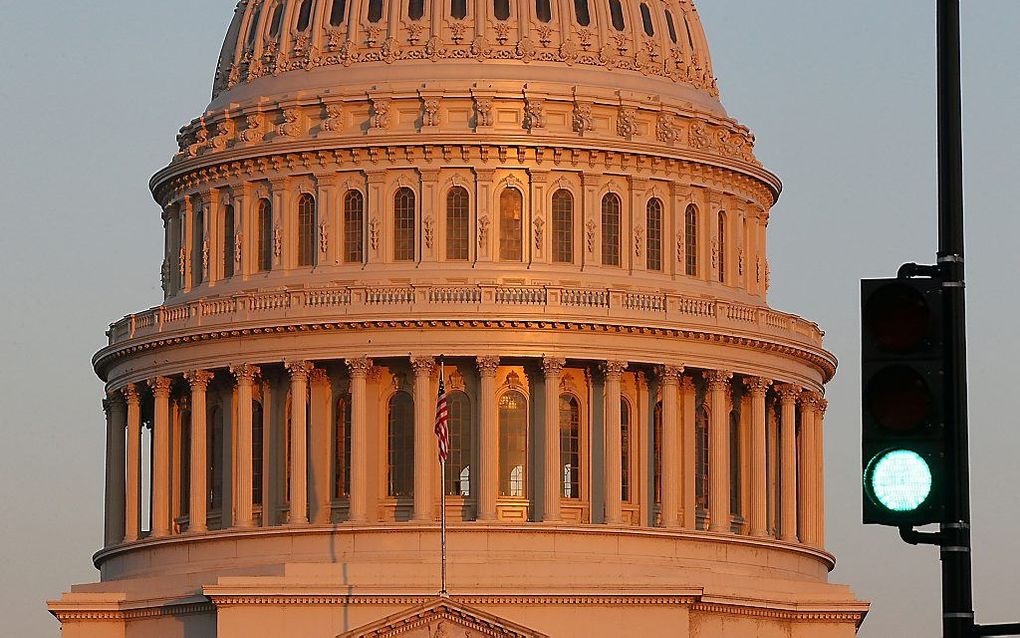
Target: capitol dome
{"points": [[539, 206]]}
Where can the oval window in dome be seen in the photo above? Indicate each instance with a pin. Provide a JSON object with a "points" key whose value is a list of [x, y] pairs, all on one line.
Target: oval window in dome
{"points": [[501, 8], [374, 10], [253, 27], [276, 22], [458, 9], [670, 26], [616, 12], [543, 10], [646, 20], [304, 16], [581, 12], [415, 9], [337, 12]]}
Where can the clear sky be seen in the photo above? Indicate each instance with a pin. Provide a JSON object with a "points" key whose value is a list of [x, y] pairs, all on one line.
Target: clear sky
{"points": [[840, 94]]}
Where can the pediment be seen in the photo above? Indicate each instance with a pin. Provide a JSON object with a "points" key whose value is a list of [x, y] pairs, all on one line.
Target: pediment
{"points": [[443, 618]]}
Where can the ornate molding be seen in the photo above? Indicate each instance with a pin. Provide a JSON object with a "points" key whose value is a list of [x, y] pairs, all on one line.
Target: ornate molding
{"points": [[245, 372], [757, 386], [161, 386], [553, 366], [423, 366], [487, 365], [613, 369], [299, 370], [359, 367], [670, 374], [788, 393], [718, 379], [199, 379]]}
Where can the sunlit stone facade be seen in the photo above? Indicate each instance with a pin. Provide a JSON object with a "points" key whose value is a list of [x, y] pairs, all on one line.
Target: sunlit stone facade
{"points": [[545, 200]]}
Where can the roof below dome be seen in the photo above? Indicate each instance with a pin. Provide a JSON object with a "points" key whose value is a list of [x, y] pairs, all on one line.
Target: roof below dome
{"points": [[651, 45]]}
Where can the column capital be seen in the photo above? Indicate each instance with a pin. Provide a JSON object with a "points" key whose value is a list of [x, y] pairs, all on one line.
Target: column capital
{"points": [[718, 379], [823, 406], [199, 379], [687, 383], [553, 366], [670, 374], [245, 372], [318, 376], [115, 398], [811, 400], [359, 367], [788, 392], [487, 365], [757, 386], [299, 370], [161, 386], [423, 366], [613, 369], [131, 394]]}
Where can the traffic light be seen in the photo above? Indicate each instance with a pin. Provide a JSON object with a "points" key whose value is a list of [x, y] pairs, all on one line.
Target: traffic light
{"points": [[903, 415]]}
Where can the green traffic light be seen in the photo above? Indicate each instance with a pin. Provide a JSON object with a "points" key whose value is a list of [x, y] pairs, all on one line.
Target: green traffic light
{"points": [[899, 480]]}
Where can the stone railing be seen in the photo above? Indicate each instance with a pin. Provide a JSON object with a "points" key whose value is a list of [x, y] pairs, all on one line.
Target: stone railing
{"points": [[548, 303]]}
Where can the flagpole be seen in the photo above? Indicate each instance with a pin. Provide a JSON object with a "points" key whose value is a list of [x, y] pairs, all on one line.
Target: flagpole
{"points": [[442, 499]]}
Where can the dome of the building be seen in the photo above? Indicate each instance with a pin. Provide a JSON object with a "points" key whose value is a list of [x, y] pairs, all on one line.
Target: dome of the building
{"points": [[538, 206]]}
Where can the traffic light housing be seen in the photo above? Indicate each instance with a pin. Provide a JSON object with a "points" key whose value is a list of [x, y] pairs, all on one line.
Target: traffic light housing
{"points": [[903, 401]]}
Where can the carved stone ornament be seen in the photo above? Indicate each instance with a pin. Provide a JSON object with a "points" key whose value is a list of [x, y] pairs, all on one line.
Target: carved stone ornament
{"points": [[680, 248], [483, 111], [199, 379], [253, 129], [323, 238], [238, 247], [639, 237], [590, 229], [699, 136], [380, 118], [205, 259], [582, 118], [666, 129], [334, 122], [457, 30], [443, 618], [539, 234], [164, 276], [626, 123], [553, 366], [359, 367], [718, 379], [374, 230], [289, 127], [757, 385], [454, 380], [534, 115], [429, 229], [224, 133], [740, 261], [430, 113], [278, 242], [513, 380], [483, 234], [715, 254]]}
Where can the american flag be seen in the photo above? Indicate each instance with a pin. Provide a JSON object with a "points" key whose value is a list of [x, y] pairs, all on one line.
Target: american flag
{"points": [[442, 421]]}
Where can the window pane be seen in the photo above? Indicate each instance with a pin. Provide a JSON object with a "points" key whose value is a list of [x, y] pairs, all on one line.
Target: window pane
{"points": [[458, 462], [657, 451], [215, 451], [513, 445], [511, 212], [501, 8], [581, 12], [625, 430], [277, 21], [570, 446], [734, 464], [691, 241], [415, 9], [543, 11], [306, 231], [185, 462], [457, 224], [375, 8], [304, 16], [228, 241], [654, 249], [458, 8], [337, 12], [670, 26], [616, 12], [701, 458], [646, 20], [354, 228], [198, 249], [611, 208], [257, 417], [342, 448], [563, 227], [401, 445], [253, 27], [722, 247], [265, 235], [403, 225]]}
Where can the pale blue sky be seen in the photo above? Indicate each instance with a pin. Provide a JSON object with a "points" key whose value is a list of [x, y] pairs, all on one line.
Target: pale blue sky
{"points": [[840, 94]]}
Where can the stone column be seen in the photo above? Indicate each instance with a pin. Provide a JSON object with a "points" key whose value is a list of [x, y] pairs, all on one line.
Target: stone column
{"points": [[161, 457], [244, 511], [670, 446], [426, 448], [808, 503], [614, 453], [199, 496], [788, 461], [134, 454], [553, 369], [116, 424], [689, 465], [772, 436], [299, 371], [359, 369], [719, 451], [488, 439], [759, 456], [321, 450], [823, 405]]}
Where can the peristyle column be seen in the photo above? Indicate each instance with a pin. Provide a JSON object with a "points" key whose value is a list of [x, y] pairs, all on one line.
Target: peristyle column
{"points": [[719, 451], [199, 381], [759, 456], [134, 453], [161, 457], [788, 461], [359, 369], [808, 503], [614, 446], [246, 375], [670, 446], [823, 405], [488, 438], [689, 409], [321, 450], [426, 448], [299, 371], [553, 369], [116, 424]]}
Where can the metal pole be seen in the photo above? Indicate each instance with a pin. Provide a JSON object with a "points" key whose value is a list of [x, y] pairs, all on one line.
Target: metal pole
{"points": [[442, 500], [957, 593]]}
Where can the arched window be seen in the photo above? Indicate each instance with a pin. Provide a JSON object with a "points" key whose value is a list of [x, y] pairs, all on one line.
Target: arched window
{"points": [[198, 256], [543, 10], [257, 432], [458, 462], [513, 445], [616, 13], [306, 231], [721, 238], [657, 452], [304, 16], [670, 26], [342, 448], [215, 469], [611, 219], [375, 8], [403, 225], [229, 255], [254, 26], [691, 240], [570, 445], [354, 227], [511, 214], [458, 224], [501, 8], [653, 251], [701, 458], [415, 9], [646, 20], [458, 8], [185, 462], [690, 35], [400, 471], [337, 13], [265, 235], [277, 21], [735, 445], [625, 448], [581, 12], [563, 227]]}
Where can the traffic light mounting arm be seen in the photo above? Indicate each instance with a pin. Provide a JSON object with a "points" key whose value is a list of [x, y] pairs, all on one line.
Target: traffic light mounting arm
{"points": [[914, 537]]}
